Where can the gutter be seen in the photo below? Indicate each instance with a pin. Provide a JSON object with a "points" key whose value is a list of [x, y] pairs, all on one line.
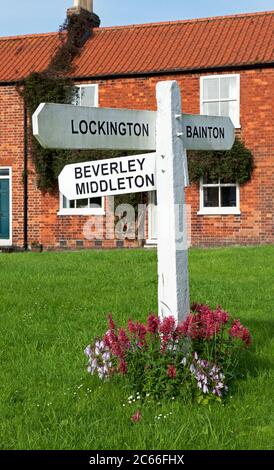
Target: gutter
{"points": [[25, 179], [153, 73], [159, 73]]}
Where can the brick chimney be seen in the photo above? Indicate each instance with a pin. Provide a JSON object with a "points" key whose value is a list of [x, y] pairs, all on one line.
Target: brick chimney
{"points": [[85, 9]]}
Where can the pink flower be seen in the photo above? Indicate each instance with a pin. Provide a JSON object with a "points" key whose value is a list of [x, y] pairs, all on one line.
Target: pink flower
{"points": [[167, 326], [123, 367], [111, 340], [123, 339], [239, 331], [131, 326], [139, 331], [190, 327], [204, 323], [136, 417], [221, 315], [171, 372], [153, 324], [111, 323]]}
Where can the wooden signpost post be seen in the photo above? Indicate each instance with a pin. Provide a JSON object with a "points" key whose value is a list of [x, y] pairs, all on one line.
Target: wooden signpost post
{"points": [[167, 132]]}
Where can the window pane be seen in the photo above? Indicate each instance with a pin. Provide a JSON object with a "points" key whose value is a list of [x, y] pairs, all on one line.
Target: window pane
{"points": [[88, 96], [209, 180], [211, 89], [211, 197], [228, 196], [82, 204], [212, 109], [224, 108], [4, 172], [95, 202], [228, 88], [65, 203], [71, 204], [230, 108]]}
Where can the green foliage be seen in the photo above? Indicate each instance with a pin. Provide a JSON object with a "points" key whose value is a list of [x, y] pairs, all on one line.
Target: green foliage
{"points": [[233, 165], [53, 86], [46, 88]]}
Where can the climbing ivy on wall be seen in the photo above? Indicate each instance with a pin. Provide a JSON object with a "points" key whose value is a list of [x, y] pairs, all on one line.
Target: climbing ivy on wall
{"points": [[236, 164], [54, 86]]}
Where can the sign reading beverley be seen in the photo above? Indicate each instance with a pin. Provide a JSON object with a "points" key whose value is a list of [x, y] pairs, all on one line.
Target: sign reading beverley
{"points": [[109, 177], [77, 127]]}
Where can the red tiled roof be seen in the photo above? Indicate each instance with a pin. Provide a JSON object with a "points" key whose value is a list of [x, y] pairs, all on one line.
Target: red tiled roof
{"points": [[206, 43]]}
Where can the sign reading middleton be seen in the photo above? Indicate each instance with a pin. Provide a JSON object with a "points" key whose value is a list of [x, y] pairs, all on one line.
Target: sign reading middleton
{"points": [[109, 177], [78, 127]]}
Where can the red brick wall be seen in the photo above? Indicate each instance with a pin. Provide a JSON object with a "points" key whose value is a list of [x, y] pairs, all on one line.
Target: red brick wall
{"points": [[253, 226]]}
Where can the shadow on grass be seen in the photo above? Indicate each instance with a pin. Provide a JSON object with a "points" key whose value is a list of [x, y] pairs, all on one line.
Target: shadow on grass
{"points": [[256, 361]]}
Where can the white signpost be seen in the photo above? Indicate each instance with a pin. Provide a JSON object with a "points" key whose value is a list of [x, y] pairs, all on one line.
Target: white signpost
{"points": [[168, 132], [122, 175]]}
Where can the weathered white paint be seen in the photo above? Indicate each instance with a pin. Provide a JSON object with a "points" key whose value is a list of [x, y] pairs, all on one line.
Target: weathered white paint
{"points": [[109, 177], [207, 132], [67, 126], [172, 177]]}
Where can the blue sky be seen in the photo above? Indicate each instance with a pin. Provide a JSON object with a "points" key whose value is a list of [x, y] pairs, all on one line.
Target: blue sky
{"points": [[37, 16]]}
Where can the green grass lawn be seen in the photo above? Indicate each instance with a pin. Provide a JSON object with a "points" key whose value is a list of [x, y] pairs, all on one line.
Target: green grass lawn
{"points": [[52, 305]]}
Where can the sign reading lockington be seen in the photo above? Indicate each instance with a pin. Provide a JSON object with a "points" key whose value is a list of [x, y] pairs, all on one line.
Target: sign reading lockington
{"points": [[77, 127], [112, 128], [108, 177]]}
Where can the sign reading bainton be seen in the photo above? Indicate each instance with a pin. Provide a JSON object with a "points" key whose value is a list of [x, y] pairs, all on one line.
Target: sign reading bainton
{"points": [[77, 127], [108, 177], [207, 132]]}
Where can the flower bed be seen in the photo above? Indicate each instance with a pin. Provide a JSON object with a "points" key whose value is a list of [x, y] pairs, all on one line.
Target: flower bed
{"points": [[197, 358]]}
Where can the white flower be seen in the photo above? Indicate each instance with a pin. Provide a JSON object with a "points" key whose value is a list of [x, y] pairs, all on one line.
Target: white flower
{"points": [[94, 364], [184, 361], [106, 356], [205, 389], [88, 351]]}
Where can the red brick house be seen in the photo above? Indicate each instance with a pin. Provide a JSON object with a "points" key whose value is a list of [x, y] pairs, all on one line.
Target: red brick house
{"points": [[224, 66]]}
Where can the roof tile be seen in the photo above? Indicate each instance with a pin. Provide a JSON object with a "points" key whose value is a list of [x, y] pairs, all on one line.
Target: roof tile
{"points": [[183, 45]]}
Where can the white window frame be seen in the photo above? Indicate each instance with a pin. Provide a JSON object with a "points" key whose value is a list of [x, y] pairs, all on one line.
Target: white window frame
{"points": [[82, 211], [96, 86], [8, 242], [237, 99], [219, 210], [152, 207]]}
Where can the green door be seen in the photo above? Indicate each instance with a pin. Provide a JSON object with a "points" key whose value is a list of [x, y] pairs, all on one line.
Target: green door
{"points": [[4, 209]]}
